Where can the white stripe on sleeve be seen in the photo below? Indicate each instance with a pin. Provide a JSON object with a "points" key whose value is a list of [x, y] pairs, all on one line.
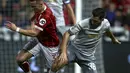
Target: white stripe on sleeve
{"points": [[38, 27]]}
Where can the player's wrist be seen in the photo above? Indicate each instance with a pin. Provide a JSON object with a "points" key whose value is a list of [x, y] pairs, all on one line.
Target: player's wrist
{"points": [[17, 29]]}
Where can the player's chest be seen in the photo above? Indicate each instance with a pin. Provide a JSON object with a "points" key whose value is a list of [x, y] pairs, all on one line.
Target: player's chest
{"points": [[90, 33], [39, 19]]}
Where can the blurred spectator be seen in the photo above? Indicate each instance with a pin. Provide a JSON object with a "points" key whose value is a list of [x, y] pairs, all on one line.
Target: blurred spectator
{"points": [[105, 3], [127, 19], [7, 6], [119, 18], [15, 10], [22, 20], [2, 5], [119, 3], [21, 13], [1, 20], [110, 13], [122, 4]]}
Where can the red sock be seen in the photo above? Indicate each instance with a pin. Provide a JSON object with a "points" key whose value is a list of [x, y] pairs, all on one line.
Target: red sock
{"points": [[25, 67]]}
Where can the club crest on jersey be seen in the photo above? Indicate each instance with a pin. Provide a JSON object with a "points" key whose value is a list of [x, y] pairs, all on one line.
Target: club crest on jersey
{"points": [[42, 21]]}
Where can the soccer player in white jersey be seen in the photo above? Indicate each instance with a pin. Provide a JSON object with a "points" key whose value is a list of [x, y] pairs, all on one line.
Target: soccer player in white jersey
{"points": [[57, 8], [82, 48]]}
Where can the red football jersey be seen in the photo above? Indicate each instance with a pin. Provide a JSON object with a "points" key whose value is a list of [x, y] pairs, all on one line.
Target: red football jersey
{"points": [[46, 23]]}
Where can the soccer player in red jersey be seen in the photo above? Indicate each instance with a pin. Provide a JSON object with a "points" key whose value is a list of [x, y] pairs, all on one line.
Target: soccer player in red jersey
{"points": [[43, 27]]}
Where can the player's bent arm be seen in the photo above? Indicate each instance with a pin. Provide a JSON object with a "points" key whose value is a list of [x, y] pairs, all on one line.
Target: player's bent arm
{"points": [[61, 60], [33, 31], [29, 32], [71, 13], [110, 34]]}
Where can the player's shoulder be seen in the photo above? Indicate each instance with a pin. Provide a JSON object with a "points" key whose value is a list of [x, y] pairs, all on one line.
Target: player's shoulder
{"points": [[84, 21], [47, 12], [47, 9], [106, 23], [105, 20]]}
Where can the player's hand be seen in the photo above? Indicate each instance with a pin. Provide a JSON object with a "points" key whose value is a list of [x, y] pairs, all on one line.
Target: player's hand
{"points": [[11, 25], [116, 41], [59, 62], [63, 59]]}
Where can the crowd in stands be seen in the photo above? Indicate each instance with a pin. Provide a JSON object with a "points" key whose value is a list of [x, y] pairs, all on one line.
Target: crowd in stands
{"points": [[118, 12], [17, 11]]}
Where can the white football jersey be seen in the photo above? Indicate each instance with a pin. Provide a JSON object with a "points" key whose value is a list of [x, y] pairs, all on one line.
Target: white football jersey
{"points": [[87, 38], [57, 8]]}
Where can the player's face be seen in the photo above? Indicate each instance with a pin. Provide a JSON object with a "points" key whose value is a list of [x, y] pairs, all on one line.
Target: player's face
{"points": [[33, 4], [39, 5], [96, 20]]}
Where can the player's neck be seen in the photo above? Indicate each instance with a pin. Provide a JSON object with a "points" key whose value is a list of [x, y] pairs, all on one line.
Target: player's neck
{"points": [[92, 25], [43, 8]]}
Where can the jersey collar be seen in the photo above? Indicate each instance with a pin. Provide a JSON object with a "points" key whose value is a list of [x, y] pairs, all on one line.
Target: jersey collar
{"points": [[44, 9]]}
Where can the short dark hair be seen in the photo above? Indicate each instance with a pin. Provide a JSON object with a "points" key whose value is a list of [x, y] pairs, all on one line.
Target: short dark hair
{"points": [[99, 12]]}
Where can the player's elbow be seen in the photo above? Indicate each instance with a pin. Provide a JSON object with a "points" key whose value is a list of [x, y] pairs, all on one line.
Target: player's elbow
{"points": [[67, 33], [33, 34]]}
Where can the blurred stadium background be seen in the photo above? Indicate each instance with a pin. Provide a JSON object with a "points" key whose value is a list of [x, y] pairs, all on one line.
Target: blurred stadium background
{"points": [[110, 58]]}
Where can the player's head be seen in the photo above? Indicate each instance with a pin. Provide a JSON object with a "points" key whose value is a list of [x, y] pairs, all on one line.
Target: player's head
{"points": [[98, 15], [36, 4], [33, 3], [39, 4]]}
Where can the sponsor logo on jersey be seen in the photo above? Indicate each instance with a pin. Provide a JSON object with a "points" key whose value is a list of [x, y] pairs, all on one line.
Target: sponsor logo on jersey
{"points": [[42, 21]]}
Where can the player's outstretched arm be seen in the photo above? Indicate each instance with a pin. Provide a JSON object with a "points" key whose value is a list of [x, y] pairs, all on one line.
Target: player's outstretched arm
{"points": [[61, 60], [114, 40], [64, 42], [28, 32], [71, 13]]}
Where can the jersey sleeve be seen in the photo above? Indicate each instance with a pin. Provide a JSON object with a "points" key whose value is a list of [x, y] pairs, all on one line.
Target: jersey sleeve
{"points": [[83, 24], [43, 22], [75, 29], [66, 1], [107, 25]]}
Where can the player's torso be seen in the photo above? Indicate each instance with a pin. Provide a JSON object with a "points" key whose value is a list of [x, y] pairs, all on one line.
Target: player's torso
{"points": [[41, 18], [88, 37], [48, 35]]}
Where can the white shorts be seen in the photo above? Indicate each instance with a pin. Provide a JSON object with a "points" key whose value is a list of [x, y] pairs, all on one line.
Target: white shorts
{"points": [[35, 48], [32, 43], [63, 29]]}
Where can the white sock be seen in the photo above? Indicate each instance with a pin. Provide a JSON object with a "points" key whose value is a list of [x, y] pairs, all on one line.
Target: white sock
{"points": [[29, 72]]}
